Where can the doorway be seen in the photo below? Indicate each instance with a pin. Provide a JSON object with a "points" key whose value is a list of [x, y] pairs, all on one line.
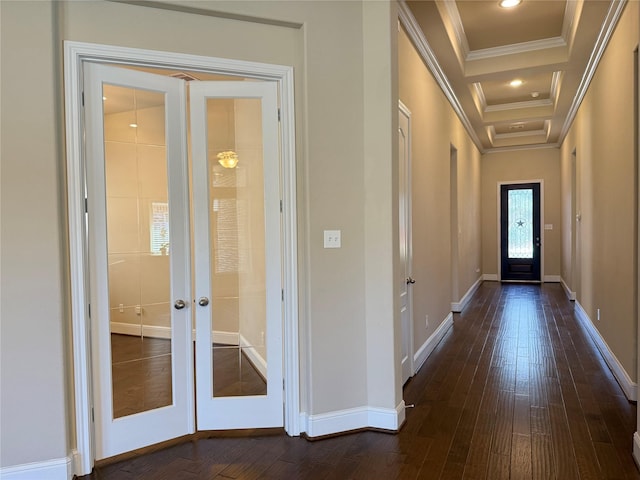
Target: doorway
{"points": [[140, 253], [520, 239], [265, 107]]}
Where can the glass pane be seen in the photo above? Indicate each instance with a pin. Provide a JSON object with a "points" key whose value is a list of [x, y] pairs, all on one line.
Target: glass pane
{"points": [[138, 249], [520, 223], [238, 282]]}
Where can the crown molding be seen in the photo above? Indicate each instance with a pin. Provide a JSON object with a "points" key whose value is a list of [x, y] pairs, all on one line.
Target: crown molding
{"points": [[546, 102], [453, 15], [569, 16], [613, 15], [516, 48], [416, 35], [556, 78], [526, 133], [539, 146]]}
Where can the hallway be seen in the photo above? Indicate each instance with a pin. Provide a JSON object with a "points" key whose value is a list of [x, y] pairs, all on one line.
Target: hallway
{"points": [[516, 389]]}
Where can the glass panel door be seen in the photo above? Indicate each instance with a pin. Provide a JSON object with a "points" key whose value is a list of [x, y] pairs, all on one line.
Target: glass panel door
{"points": [[138, 228], [236, 195], [520, 232]]}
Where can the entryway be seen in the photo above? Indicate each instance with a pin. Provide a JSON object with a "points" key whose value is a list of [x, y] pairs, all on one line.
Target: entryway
{"points": [[520, 239], [188, 267]]}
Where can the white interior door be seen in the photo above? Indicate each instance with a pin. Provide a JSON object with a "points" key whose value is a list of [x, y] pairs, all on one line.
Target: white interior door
{"points": [[138, 228], [237, 258], [406, 281]]}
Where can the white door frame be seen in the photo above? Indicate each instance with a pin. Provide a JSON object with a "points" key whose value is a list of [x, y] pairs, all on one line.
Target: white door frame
{"points": [[499, 225], [75, 53]]}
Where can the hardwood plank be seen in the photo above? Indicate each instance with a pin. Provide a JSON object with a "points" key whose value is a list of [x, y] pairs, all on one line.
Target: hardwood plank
{"points": [[521, 457], [516, 390], [543, 465]]}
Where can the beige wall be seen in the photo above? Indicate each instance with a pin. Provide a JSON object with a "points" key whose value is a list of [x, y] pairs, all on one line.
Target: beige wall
{"points": [[435, 129], [345, 152], [33, 393], [603, 268], [516, 166]]}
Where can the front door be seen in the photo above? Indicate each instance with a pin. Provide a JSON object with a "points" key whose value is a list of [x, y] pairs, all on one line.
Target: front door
{"points": [[142, 308], [520, 243]]}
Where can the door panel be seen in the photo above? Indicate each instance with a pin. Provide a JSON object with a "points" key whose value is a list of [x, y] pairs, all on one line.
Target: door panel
{"points": [[236, 192], [404, 221], [139, 258], [520, 231]]}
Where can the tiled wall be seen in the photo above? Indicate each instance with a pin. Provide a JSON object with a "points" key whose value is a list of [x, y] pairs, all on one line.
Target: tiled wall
{"points": [[139, 286]]}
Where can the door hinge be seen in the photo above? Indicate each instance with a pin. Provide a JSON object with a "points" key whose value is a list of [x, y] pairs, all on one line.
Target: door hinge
{"points": [[86, 205], [283, 384], [282, 294], [89, 309], [83, 99], [93, 418], [280, 206], [278, 114]]}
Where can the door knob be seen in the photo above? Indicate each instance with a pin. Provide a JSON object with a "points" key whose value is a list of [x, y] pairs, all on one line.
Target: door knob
{"points": [[203, 301], [410, 281], [179, 305]]}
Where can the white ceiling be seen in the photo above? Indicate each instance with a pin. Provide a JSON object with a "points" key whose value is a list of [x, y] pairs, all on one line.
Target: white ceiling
{"points": [[475, 48]]}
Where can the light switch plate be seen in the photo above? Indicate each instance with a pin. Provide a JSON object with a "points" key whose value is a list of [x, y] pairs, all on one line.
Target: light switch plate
{"points": [[332, 239]]}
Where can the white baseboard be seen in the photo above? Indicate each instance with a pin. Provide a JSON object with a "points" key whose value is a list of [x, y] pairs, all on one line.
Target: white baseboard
{"points": [[225, 338], [353, 419], [571, 294], [490, 277], [629, 387], [459, 306], [153, 331], [427, 347], [551, 279], [126, 329], [636, 448], [257, 360], [57, 469]]}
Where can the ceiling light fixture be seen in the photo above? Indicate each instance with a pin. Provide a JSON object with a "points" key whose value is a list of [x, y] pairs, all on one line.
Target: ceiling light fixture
{"points": [[516, 83], [228, 159], [133, 125], [509, 3], [535, 94]]}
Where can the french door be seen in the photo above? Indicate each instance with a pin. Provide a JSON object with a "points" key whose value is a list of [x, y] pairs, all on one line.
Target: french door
{"points": [[144, 317], [520, 239], [238, 286]]}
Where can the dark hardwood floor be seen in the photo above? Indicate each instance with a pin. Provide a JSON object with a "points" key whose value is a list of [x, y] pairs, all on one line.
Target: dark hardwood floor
{"points": [[141, 372], [515, 390]]}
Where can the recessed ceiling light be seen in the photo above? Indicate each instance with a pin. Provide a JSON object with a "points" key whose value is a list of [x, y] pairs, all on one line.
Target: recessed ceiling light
{"points": [[133, 125], [509, 3], [516, 83], [535, 94]]}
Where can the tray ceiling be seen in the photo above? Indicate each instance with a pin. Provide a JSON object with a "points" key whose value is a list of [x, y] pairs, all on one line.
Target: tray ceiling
{"points": [[475, 49]]}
